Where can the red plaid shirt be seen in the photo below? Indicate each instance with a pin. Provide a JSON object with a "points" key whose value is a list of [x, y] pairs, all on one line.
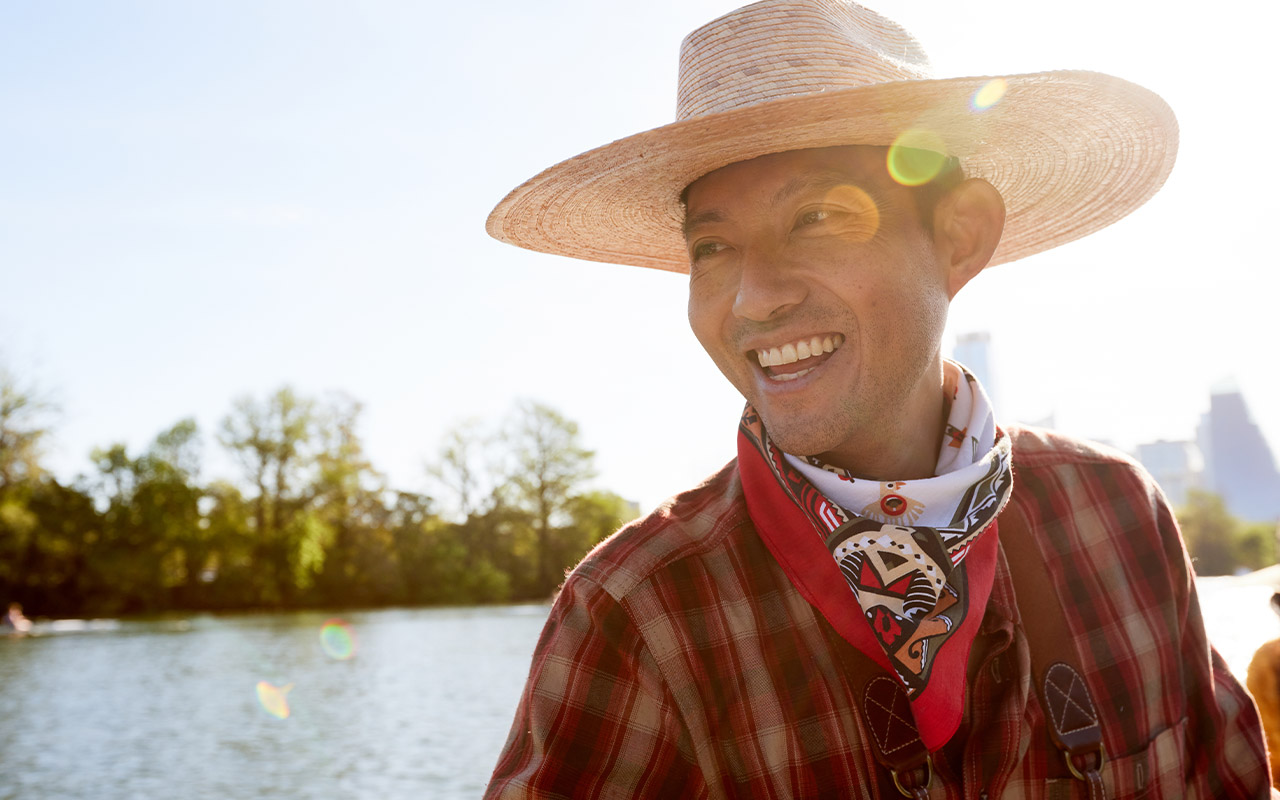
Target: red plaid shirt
{"points": [[679, 661]]}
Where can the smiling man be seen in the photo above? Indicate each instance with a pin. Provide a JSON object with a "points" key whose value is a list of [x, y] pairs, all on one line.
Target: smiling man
{"points": [[823, 244], [886, 592]]}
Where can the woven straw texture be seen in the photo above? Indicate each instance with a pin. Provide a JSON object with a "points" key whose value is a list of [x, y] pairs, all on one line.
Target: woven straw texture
{"points": [[1070, 152]]}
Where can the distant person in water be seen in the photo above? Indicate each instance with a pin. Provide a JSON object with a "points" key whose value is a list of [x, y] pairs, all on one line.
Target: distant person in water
{"points": [[14, 620]]}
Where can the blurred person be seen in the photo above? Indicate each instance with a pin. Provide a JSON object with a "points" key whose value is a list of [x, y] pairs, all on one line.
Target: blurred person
{"points": [[1263, 680], [14, 620], [887, 591]]}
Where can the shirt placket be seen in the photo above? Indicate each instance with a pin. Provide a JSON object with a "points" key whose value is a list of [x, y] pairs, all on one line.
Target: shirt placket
{"points": [[998, 737]]}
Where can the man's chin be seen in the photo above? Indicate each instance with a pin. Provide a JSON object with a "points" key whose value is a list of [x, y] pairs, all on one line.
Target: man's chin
{"points": [[799, 437]]}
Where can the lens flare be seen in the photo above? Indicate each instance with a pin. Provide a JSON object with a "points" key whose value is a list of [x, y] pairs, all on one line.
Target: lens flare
{"points": [[859, 218], [338, 640], [916, 156], [989, 94], [273, 699]]}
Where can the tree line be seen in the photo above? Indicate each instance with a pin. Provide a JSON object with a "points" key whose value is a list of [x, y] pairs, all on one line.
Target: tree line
{"points": [[311, 523], [1221, 544], [308, 523]]}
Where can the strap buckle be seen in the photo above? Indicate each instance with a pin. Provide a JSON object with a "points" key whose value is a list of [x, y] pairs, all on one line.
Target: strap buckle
{"points": [[918, 785], [1071, 762]]}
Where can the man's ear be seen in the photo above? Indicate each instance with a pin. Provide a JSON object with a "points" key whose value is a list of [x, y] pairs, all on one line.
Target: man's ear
{"points": [[967, 224]]}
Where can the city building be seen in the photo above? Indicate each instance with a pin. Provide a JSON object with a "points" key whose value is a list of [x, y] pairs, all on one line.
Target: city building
{"points": [[1230, 456], [1238, 463], [1176, 466]]}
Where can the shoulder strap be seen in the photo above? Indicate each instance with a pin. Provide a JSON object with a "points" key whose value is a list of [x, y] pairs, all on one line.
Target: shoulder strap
{"points": [[886, 713], [1070, 713]]}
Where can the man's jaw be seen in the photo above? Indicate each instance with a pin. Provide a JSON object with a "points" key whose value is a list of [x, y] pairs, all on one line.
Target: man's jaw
{"points": [[792, 360]]}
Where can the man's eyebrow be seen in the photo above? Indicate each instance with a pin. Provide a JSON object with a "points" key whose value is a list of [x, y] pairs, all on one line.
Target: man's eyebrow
{"points": [[701, 218], [824, 180], [819, 181]]}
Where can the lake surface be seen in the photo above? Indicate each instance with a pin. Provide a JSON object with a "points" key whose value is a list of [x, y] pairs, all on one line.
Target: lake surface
{"points": [[172, 708]]}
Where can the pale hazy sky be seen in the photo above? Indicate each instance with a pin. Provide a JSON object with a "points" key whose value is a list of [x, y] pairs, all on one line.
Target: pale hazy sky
{"points": [[204, 200]]}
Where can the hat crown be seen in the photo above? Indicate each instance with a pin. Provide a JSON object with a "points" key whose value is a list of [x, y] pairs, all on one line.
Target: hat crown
{"points": [[781, 48]]}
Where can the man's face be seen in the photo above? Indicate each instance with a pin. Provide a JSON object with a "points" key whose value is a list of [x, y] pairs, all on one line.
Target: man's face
{"points": [[819, 252]]}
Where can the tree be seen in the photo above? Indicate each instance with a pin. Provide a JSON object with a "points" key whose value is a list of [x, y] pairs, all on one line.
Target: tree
{"points": [[351, 501], [1255, 545], [319, 514], [22, 430], [25, 564], [439, 561], [168, 503], [596, 515], [52, 573], [229, 578], [151, 546], [547, 466], [461, 468], [273, 441], [1209, 531]]}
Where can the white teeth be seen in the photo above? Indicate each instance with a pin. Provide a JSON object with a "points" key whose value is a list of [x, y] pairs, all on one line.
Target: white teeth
{"points": [[798, 351], [791, 376], [771, 357]]}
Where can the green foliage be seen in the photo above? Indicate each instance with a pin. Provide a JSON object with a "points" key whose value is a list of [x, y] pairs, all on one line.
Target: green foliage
{"points": [[1219, 543], [312, 523], [593, 516], [547, 464], [22, 430], [1255, 546], [309, 523]]}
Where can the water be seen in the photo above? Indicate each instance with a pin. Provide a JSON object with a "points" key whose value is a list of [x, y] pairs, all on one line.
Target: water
{"points": [[1238, 615], [170, 708]]}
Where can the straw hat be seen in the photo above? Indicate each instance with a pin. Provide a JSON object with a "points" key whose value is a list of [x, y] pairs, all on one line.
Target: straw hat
{"points": [[1070, 152]]}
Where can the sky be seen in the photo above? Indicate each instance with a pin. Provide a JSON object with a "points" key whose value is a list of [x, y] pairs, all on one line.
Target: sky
{"points": [[202, 201]]}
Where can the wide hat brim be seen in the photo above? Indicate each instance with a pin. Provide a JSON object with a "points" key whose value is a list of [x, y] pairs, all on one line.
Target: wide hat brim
{"points": [[1071, 152]]}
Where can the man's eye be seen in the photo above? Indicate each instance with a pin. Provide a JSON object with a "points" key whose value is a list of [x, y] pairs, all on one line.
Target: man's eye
{"points": [[705, 249], [814, 216]]}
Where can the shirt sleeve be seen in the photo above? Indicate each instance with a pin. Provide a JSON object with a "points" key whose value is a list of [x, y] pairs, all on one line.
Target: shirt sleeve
{"points": [[595, 718], [1227, 756]]}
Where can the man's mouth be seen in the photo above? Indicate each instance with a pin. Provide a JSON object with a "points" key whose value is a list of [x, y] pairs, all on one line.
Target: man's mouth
{"points": [[806, 354]]}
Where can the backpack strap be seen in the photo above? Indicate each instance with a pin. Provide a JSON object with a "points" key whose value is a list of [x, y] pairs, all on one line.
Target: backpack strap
{"points": [[886, 714], [1070, 713]]}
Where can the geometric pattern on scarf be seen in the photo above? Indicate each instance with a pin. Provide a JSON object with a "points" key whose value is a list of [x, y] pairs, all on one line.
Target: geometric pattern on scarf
{"points": [[908, 578]]}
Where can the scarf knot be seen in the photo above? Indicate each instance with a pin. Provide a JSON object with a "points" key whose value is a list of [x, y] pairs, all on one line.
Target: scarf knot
{"points": [[916, 558]]}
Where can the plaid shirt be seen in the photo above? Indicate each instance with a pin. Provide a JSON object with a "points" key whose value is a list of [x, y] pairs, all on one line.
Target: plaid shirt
{"points": [[679, 661]]}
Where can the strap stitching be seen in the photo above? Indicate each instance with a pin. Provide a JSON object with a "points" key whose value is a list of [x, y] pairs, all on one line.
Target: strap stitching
{"points": [[1070, 701], [892, 715]]}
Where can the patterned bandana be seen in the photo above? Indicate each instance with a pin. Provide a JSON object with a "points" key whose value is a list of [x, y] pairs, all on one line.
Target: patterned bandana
{"points": [[917, 557]]}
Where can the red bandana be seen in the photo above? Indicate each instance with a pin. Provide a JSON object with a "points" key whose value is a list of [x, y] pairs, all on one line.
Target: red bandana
{"points": [[910, 598]]}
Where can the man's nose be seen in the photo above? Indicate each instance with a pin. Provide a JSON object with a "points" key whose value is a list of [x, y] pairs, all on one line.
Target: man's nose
{"points": [[767, 286]]}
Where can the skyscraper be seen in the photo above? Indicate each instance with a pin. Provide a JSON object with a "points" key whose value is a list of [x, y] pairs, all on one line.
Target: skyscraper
{"points": [[1239, 464]]}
